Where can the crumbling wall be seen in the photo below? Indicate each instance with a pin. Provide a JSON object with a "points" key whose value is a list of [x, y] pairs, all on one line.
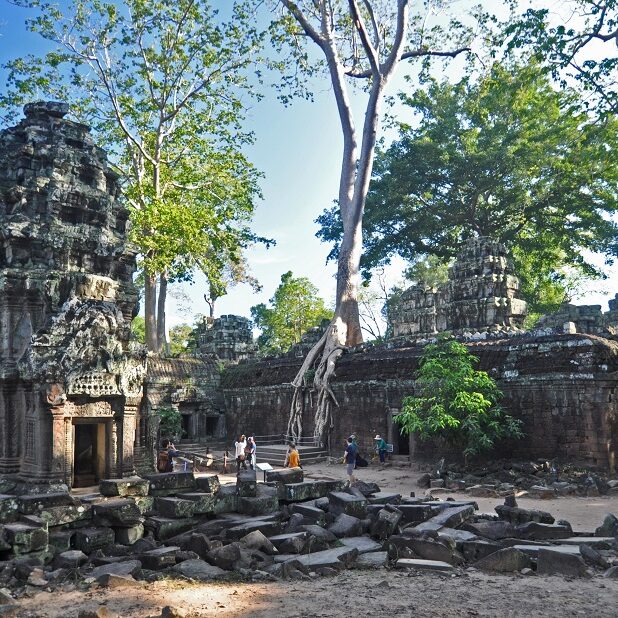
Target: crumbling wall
{"points": [[561, 386]]}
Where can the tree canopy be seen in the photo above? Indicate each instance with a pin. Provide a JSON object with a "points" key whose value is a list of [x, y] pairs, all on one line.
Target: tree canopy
{"points": [[506, 156], [163, 84], [294, 308]]}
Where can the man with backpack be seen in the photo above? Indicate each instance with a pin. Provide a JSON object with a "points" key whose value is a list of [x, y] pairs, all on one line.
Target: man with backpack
{"points": [[351, 452], [166, 454]]}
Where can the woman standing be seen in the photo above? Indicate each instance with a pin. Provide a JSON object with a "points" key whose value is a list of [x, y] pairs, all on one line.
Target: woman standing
{"points": [[240, 447], [250, 452]]}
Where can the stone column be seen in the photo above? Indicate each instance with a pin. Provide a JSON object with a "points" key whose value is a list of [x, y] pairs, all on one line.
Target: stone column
{"points": [[60, 467], [128, 436], [113, 429]]}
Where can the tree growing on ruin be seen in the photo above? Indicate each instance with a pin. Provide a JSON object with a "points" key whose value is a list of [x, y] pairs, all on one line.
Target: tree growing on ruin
{"points": [[294, 308], [163, 84], [456, 402], [362, 41], [506, 156]]}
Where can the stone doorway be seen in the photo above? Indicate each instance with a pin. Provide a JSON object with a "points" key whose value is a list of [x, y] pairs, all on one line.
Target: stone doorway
{"points": [[186, 432], [212, 423], [89, 449]]}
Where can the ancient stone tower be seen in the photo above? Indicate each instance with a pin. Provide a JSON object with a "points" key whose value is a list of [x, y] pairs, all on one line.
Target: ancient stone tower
{"points": [[69, 388]]}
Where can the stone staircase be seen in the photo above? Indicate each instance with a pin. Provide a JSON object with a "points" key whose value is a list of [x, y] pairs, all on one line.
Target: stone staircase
{"points": [[274, 454]]}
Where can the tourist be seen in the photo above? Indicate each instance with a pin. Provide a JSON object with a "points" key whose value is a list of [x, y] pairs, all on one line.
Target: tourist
{"points": [[292, 459], [167, 452], [250, 452], [240, 447], [349, 457], [380, 447]]}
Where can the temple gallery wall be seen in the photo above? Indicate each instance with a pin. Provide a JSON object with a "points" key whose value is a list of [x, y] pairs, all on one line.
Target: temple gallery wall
{"points": [[79, 401]]}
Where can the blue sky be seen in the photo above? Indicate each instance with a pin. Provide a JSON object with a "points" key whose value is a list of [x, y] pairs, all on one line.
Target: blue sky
{"points": [[298, 149]]}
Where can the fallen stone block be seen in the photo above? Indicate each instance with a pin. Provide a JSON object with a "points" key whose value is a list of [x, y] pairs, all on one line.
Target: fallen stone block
{"points": [[198, 570], [516, 515], [533, 550], [61, 539], [337, 558], [257, 540], [384, 497], [33, 504], [551, 562], [129, 486], [246, 484], [310, 513], [482, 491], [209, 484], [342, 502], [493, 530], [366, 489], [310, 490], [612, 572], [535, 531], [435, 550], [593, 557], [362, 543], [225, 557], [9, 508], [164, 528], [504, 561], [176, 508], [63, 515], [204, 503], [609, 527], [268, 527], [423, 565], [266, 501], [386, 523], [598, 542], [292, 543], [542, 492], [478, 549], [415, 513], [159, 558], [456, 536], [145, 504], [346, 525], [71, 559], [451, 517], [226, 500], [371, 560], [128, 567], [117, 512], [169, 483], [286, 476], [26, 538], [117, 581], [319, 533], [129, 536]]}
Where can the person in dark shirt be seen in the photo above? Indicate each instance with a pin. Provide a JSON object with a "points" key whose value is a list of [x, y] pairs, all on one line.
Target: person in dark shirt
{"points": [[351, 451], [167, 452]]}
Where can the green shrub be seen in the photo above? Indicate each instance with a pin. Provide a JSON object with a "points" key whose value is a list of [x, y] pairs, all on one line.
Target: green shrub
{"points": [[456, 402], [171, 423]]}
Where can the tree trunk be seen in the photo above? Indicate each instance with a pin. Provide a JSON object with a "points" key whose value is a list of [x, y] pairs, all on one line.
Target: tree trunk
{"points": [[150, 311], [161, 325]]}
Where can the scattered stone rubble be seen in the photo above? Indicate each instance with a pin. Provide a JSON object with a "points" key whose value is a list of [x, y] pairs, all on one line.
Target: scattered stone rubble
{"points": [[540, 479], [180, 525]]}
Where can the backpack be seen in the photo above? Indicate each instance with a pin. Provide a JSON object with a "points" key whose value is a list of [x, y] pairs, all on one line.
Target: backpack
{"points": [[164, 462]]}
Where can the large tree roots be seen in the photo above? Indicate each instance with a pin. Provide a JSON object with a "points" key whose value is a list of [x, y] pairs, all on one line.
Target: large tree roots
{"points": [[323, 358]]}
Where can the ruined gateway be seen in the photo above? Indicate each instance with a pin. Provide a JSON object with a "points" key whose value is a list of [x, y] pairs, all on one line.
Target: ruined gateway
{"points": [[78, 403]]}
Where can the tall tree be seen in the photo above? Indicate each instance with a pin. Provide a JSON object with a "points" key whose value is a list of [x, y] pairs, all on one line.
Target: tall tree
{"points": [[162, 84], [362, 41], [506, 156], [294, 308], [581, 46]]}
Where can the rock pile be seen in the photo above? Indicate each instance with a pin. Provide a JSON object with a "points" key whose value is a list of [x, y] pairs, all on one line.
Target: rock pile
{"points": [[540, 479], [176, 524]]}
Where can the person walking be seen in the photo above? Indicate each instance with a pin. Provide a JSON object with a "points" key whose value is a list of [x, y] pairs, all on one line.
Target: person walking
{"points": [[349, 456], [381, 447], [240, 446]]}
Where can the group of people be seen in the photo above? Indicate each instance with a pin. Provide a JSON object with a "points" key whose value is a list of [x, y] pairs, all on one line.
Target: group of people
{"points": [[353, 459], [245, 450]]}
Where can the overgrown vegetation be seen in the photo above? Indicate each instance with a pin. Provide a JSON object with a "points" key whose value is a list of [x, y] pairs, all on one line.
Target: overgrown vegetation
{"points": [[171, 423], [456, 402]]}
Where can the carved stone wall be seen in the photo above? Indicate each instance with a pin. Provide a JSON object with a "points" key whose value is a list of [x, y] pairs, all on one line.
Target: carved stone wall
{"points": [[482, 294], [66, 301]]}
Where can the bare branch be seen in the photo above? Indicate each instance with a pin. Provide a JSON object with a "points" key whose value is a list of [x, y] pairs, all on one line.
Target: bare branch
{"points": [[370, 50]]}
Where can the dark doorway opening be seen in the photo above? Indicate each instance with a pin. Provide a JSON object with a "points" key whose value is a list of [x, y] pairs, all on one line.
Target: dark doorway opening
{"points": [[88, 454], [211, 426], [403, 442], [186, 433]]}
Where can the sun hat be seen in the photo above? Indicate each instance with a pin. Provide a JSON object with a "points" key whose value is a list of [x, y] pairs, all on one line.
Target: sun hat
{"points": [[378, 437]]}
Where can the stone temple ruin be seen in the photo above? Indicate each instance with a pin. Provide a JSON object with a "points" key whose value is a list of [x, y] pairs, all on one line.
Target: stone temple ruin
{"points": [[78, 403], [70, 389]]}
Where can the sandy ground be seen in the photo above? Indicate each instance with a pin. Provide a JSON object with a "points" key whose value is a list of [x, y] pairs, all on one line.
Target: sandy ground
{"points": [[362, 594]]}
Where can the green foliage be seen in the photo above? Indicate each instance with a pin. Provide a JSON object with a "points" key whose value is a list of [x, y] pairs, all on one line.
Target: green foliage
{"points": [[138, 329], [429, 270], [294, 309], [508, 157], [455, 401], [171, 423], [181, 340]]}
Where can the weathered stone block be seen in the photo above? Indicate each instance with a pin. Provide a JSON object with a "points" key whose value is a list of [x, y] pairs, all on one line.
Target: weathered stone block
{"points": [[346, 525], [246, 484], [413, 513], [35, 503], [127, 567], [387, 522], [61, 515], [169, 483], [265, 502], [224, 557], [423, 565], [9, 508], [117, 512], [129, 486], [451, 517], [552, 562], [310, 490], [268, 527], [165, 528], [363, 543], [61, 539], [89, 539], [504, 561], [71, 559], [338, 558], [204, 503], [371, 560], [341, 502], [292, 543], [175, 507], [536, 531], [26, 538], [286, 476], [209, 484], [198, 570], [476, 550], [384, 497], [129, 536], [159, 558], [435, 550], [145, 504], [311, 514], [516, 515]]}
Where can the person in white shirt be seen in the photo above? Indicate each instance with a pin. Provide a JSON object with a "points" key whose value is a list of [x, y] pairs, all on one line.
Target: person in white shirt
{"points": [[240, 446]]}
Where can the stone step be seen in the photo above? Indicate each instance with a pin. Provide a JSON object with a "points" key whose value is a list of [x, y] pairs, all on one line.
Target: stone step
{"points": [[423, 565], [533, 550]]}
